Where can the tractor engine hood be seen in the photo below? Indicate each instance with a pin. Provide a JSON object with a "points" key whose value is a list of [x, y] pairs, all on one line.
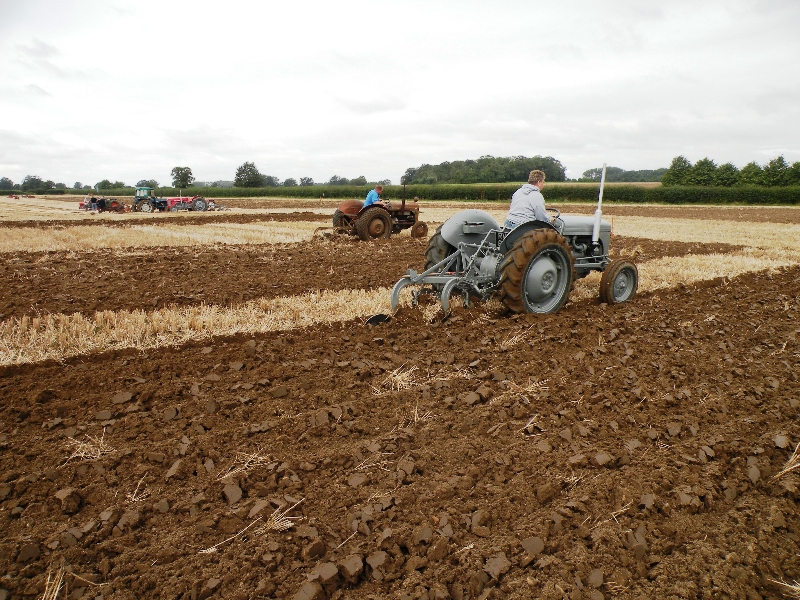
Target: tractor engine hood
{"points": [[582, 225], [469, 226]]}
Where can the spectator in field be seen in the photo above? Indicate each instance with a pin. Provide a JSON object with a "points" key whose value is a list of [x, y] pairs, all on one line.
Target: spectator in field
{"points": [[527, 203], [373, 196], [93, 202]]}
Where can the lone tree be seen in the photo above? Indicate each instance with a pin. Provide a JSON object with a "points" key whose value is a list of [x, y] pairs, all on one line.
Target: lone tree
{"points": [[678, 172], [751, 174], [32, 182], [306, 181], [6, 184], [290, 182], [726, 175], [776, 172], [182, 177], [247, 175], [147, 183], [703, 172]]}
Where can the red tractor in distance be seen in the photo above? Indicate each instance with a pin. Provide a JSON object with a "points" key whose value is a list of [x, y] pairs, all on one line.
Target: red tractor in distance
{"points": [[144, 201], [378, 220]]}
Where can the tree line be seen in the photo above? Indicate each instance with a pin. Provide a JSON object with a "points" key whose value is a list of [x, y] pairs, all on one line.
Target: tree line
{"points": [[247, 176], [615, 174], [486, 169], [705, 172]]}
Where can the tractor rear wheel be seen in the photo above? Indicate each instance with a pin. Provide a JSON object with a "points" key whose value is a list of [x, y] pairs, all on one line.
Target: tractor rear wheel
{"points": [[374, 224], [536, 274], [438, 249], [419, 230], [339, 220], [199, 204], [619, 282], [146, 206]]}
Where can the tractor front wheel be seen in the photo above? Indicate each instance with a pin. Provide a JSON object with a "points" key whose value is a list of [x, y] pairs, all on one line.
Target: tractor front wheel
{"points": [[374, 224], [619, 282], [146, 206], [536, 275], [419, 230]]}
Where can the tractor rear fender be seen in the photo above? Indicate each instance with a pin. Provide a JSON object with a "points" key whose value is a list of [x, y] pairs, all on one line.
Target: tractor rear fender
{"points": [[521, 230], [469, 226], [350, 207]]}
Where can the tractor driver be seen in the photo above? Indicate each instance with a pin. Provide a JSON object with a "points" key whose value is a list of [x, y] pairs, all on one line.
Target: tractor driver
{"points": [[527, 203], [373, 196]]}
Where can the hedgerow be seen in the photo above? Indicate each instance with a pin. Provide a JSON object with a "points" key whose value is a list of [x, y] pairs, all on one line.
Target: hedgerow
{"points": [[32, 192], [480, 192]]}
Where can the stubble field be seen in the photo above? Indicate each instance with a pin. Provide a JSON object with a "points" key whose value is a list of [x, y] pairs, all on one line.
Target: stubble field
{"points": [[193, 408]]}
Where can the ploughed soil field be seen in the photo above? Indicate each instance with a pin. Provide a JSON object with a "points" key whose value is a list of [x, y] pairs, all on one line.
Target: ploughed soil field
{"points": [[159, 219], [626, 451], [41, 282]]}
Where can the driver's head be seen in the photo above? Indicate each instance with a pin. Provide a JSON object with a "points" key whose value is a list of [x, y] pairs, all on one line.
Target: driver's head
{"points": [[536, 177], [379, 188]]}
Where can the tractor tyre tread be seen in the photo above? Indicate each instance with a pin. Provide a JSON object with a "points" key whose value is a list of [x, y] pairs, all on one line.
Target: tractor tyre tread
{"points": [[419, 230], [513, 267], [339, 219], [365, 220], [438, 249], [610, 275]]}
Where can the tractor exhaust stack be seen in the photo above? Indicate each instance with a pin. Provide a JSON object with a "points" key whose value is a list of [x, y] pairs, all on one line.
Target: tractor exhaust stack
{"points": [[598, 214]]}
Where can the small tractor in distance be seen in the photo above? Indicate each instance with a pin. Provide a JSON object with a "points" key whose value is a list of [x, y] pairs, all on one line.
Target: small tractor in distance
{"points": [[144, 201], [379, 220], [531, 268]]}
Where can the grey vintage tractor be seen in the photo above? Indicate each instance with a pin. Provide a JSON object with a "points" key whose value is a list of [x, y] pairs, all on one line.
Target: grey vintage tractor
{"points": [[531, 268]]}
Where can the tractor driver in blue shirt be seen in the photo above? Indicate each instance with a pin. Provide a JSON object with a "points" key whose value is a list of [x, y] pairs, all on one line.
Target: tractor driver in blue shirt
{"points": [[527, 203], [373, 196]]}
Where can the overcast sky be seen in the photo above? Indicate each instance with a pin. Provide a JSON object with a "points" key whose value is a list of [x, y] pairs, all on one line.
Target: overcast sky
{"points": [[128, 90]]}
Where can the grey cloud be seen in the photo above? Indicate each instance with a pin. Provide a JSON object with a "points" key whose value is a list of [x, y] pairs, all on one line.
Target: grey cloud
{"points": [[39, 50], [778, 103], [123, 11], [372, 106], [562, 52], [33, 88], [40, 56], [204, 137]]}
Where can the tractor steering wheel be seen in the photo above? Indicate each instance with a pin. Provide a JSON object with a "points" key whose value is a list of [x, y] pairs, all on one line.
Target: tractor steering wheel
{"points": [[554, 212]]}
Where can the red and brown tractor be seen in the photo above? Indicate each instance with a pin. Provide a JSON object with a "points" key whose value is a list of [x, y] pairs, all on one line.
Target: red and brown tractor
{"points": [[379, 220]]}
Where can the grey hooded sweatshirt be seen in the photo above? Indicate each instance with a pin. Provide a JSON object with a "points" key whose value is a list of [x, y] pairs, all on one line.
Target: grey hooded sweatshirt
{"points": [[527, 204]]}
